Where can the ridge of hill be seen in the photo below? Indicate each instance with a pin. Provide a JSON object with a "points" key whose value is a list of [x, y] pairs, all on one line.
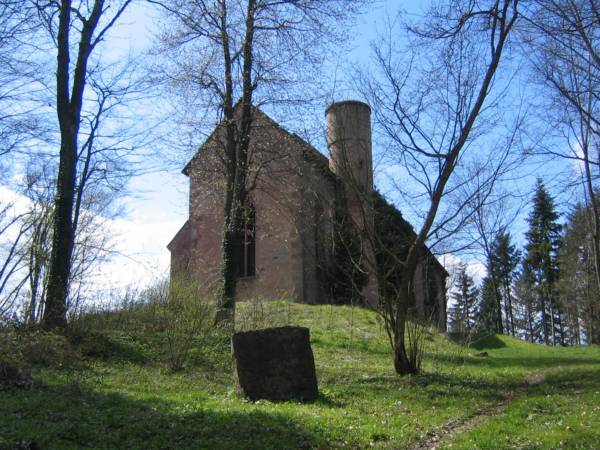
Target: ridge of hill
{"points": [[118, 393]]}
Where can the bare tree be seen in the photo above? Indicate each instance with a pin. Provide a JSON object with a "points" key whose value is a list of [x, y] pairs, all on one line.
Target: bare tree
{"points": [[428, 106], [17, 73], [565, 37], [88, 23], [257, 51], [26, 243], [492, 218], [13, 231]]}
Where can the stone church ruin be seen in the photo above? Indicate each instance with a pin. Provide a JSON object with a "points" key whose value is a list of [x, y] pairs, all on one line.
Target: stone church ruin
{"points": [[314, 229]]}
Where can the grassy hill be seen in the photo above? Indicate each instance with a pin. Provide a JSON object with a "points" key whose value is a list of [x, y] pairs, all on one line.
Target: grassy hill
{"points": [[113, 390]]}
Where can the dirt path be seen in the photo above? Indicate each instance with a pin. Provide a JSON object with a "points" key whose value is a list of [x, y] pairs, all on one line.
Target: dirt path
{"points": [[438, 437]]}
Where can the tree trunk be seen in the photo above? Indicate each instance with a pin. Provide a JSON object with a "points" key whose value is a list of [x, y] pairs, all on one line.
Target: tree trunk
{"points": [[590, 326], [499, 324], [510, 318], [68, 110], [402, 363], [544, 320], [507, 314], [497, 299], [561, 328], [35, 267], [62, 240], [237, 146], [530, 324], [231, 235]]}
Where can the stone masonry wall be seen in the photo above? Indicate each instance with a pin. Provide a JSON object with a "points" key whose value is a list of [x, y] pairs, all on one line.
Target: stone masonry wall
{"points": [[278, 177]]}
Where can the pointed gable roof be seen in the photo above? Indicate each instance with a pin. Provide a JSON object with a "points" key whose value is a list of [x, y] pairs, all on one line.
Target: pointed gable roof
{"points": [[309, 152]]}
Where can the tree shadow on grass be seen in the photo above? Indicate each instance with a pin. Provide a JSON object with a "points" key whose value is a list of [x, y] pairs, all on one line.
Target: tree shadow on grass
{"points": [[478, 342], [59, 417], [487, 341], [574, 379], [446, 383], [459, 384], [529, 362], [120, 347]]}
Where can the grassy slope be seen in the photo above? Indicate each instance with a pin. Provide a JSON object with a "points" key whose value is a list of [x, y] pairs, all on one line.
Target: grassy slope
{"points": [[125, 399]]}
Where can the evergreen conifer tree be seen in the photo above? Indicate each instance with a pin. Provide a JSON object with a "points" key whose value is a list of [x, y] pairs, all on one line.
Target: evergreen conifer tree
{"points": [[541, 264], [505, 259], [526, 307], [463, 311], [578, 288], [487, 316]]}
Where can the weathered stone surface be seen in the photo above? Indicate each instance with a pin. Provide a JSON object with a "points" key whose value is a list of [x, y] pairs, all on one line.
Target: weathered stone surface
{"points": [[275, 364]]}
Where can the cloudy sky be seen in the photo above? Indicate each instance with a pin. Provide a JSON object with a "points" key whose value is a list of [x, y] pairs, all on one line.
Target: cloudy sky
{"points": [[156, 204]]}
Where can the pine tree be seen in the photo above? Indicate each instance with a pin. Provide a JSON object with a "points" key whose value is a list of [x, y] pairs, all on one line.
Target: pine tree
{"points": [[541, 264], [487, 316], [578, 288], [526, 308], [463, 313], [505, 259]]}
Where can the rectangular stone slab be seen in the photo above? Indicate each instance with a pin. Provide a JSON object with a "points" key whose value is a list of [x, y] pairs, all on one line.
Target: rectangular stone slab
{"points": [[275, 364]]}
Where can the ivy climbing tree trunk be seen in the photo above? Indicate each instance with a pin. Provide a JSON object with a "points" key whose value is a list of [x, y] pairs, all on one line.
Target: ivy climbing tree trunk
{"points": [[244, 48], [69, 103], [237, 145]]}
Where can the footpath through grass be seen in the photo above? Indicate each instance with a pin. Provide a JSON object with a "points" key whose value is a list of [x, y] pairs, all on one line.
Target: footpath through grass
{"points": [[121, 395]]}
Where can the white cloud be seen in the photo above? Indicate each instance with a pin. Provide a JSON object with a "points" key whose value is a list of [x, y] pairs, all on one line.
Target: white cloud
{"points": [[475, 269], [153, 216]]}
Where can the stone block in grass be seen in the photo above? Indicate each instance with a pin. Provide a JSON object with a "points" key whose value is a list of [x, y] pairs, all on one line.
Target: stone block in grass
{"points": [[275, 364]]}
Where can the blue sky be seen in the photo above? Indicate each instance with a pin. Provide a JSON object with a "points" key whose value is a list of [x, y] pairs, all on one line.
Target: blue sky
{"points": [[157, 203]]}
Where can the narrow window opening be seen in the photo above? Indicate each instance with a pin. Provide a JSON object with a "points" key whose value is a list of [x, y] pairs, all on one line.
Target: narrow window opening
{"points": [[246, 251]]}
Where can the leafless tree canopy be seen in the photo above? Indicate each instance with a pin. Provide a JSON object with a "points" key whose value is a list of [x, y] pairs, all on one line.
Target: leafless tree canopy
{"points": [[433, 99], [293, 41], [564, 42], [18, 73], [255, 51], [426, 97]]}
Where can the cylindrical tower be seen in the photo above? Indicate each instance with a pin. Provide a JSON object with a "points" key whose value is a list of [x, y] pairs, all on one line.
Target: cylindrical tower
{"points": [[350, 158], [349, 143]]}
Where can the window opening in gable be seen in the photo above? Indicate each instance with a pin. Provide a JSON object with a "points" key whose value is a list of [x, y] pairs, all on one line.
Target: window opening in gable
{"points": [[246, 245]]}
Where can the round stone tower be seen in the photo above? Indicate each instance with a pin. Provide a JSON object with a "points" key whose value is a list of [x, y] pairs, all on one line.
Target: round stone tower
{"points": [[349, 143], [350, 158]]}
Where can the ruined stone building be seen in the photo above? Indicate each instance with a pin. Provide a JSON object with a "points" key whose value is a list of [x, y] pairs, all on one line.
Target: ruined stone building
{"points": [[314, 226]]}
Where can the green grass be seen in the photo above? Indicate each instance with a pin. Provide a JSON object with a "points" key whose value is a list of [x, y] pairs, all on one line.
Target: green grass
{"points": [[122, 395], [561, 412]]}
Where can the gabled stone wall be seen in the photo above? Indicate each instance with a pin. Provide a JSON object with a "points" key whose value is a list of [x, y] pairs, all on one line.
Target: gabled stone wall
{"points": [[297, 198], [286, 179]]}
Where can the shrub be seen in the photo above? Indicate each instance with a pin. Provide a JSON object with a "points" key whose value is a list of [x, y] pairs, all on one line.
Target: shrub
{"points": [[184, 311], [24, 347], [181, 310], [119, 310], [48, 348], [257, 314], [91, 343], [416, 330], [11, 353]]}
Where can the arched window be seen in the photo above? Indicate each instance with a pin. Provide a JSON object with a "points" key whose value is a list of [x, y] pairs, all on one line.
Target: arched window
{"points": [[246, 245]]}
